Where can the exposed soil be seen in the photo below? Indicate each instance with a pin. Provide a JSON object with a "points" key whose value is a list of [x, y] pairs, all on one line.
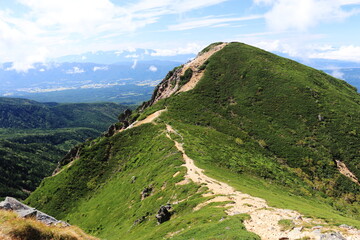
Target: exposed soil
{"points": [[346, 172], [195, 65], [148, 119]]}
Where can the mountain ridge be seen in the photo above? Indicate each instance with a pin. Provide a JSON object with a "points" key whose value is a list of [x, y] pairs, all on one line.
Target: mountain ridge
{"points": [[265, 125]]}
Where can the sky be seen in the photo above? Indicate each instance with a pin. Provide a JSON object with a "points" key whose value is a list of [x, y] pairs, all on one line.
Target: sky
{"points": [[38, 30]]}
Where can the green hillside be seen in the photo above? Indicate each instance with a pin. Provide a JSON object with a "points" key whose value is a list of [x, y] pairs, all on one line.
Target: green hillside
{"points": [[265, 125], [35, 136], [27, 114]]}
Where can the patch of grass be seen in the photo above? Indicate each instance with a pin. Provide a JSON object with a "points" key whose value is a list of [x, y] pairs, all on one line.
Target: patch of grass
{"points": [[14, 227], [304, 238], [186, 77], [203, 66], [286, 224]]}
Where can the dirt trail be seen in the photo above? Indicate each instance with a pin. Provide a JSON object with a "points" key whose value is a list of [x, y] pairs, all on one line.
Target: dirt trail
{"points": [[148, 119], [195, 65], [264, 219]]}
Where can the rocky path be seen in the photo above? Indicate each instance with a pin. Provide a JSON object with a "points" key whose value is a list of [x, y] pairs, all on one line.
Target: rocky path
{"points": [[264, 219]]}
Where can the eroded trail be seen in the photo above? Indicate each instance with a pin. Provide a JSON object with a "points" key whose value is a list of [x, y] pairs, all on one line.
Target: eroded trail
{"points": [[148, 119], [264, 219]]}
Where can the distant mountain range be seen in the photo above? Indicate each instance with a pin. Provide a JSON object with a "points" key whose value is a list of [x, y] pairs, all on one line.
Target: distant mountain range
{"points": [[125, 82], [127, 77]]}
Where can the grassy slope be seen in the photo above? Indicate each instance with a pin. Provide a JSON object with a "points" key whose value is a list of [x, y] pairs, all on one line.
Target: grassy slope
{"points": [[97, 192], [253, 121], [272, 106]]}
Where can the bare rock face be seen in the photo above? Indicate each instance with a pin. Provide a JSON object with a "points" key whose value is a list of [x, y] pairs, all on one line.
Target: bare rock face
{"points": [[170, 85], [164, 214], [11, 204], [124, 118], [113, 129], [332, 236]]}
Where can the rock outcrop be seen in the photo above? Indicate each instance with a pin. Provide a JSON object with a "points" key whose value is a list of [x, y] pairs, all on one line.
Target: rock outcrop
{"points": [[146, 192], [171, 84], [113, 129], [332, 236], [11, 204], [124, 118], [164, 214]]}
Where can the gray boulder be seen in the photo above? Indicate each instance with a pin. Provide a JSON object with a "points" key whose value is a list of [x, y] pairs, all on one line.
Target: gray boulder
{"points": [[11, 204], [332, 236], [28, 213], [164, 214]]}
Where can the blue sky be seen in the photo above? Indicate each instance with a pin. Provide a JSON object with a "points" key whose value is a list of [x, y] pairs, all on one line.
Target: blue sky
{"points": [[38, 30]]}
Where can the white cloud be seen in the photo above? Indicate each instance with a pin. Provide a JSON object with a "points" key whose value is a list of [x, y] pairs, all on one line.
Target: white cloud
{"points": [[266, 2], [50, 28], [208, 22], [75, 70], [119, 52], [304, 14], [191, 48], [349, 2], [153, 68], [348, 53], [101, 85], [96, 68], [337, 73], [305, 49], [132, 56], [292, 48], [134, 64], [41, 90]]}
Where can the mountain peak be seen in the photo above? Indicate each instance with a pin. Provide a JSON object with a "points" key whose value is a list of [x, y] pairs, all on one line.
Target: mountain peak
{"points": [[186, 76], [235, 124]]}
